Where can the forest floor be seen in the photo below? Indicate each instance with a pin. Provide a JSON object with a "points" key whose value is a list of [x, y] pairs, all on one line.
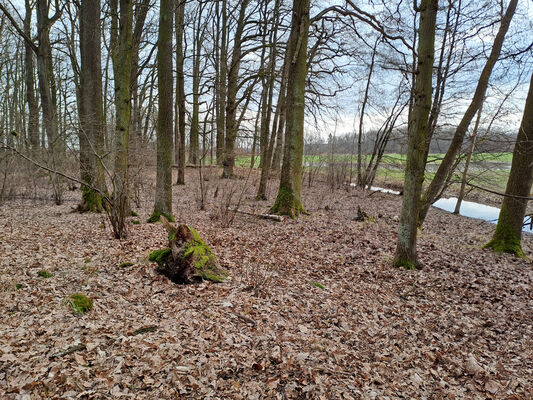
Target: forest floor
{"points": [[313, 310]]}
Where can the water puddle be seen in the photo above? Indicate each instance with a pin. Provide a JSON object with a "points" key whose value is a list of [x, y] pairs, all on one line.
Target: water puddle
{"points": [[476, 210], [468, 208]]}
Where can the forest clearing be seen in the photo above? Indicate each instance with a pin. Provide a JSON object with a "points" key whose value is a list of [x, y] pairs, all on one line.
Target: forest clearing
{"points": [[313, 308]]}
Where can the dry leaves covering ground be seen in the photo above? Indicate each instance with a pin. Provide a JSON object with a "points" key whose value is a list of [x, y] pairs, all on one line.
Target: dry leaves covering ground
{"points": [[459, 329]]}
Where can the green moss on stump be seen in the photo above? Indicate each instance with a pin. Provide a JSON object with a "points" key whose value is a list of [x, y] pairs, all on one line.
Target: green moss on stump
{"points": [[159, 256], [156, 217], [205, 261], [79, 303], [193, 258]]}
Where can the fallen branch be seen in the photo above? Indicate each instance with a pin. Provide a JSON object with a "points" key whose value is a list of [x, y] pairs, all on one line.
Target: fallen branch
{"points": [[277, 218], [70, 350]]}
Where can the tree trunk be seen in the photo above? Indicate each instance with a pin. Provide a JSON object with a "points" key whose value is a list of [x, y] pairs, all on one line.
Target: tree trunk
{"points": [[360, 181], [266, 144], [508, 234], [122, 54], [91, 135], [222, 69], [445, 167], [288, 201], [414, 170], [180, 91], [461, 195], [163, 191], [232, 89], [33, 107]]}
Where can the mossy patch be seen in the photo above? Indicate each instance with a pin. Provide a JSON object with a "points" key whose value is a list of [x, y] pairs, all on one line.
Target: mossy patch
{"points": [[205, 261], [317, 284], [92, 201], [126, 264], [18, 286], [79, 303], [501, 245], [406, 264], [133, 214], [287, 204], [44, 274], [156, 216], [136, 222], [159, 256]]}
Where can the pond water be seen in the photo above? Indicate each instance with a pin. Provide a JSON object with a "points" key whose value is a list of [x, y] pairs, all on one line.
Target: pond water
{"points": [[468, 209], [475, 210]]}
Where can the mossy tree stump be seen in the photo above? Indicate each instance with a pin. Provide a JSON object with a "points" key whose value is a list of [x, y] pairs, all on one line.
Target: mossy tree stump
{"points": [[187, 259]]}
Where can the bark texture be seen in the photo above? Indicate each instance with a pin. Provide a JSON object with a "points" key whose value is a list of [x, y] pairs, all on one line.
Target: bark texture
{"points": [[288, 200], [91, 135], [163, 191], [414, 170]]}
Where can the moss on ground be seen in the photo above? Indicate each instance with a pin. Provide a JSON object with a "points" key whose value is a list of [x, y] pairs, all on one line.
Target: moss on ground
{"points": [[126, 264], [45, 274], [79, 303]]}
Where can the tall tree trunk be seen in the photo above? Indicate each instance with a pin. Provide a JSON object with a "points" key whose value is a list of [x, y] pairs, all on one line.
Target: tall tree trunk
{"points": [[140, 13], [91, 136], [121, 48], [360, 181], [406, 255], [222, 81], [194, 132], [508, 234], [163, 190], [180, 91], [288, 201], [461, 195], [279, 117], [33, 107], [232, 89], [48, 92], [445, 167], [266, 145]]}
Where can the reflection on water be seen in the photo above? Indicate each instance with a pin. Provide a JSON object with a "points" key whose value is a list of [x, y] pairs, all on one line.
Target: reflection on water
{"points": [[475, 210], [383, 190], [468, 208]]}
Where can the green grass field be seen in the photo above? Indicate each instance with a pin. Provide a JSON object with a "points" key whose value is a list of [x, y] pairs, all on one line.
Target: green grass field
{"points": [[391, 170]]}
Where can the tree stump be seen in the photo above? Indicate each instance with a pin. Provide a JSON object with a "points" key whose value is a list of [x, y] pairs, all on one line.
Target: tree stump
{"points": [[187, 259]]}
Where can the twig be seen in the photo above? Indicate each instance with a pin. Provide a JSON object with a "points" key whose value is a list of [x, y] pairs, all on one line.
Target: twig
{"points": [[499, 193], [246, 319], [277, 218], [70, 350]]}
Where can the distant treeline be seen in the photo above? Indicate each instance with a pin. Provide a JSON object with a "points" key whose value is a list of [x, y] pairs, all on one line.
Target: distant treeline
{"points": [[495, 141]]}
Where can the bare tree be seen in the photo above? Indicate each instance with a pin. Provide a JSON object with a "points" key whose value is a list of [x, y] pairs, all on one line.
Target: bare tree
{"points": [[288, 200], [406, 255]]}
